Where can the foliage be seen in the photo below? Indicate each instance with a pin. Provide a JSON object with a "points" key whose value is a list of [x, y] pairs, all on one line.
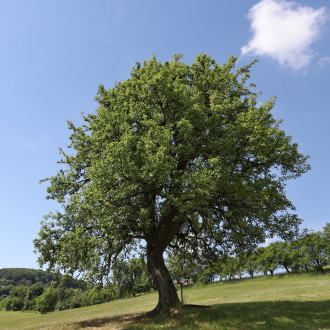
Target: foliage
{"points": [[316, 246], [326, 231], [268, 258], [98, 295], [284, 255], [19, 291], [301, 258], [139, 274], [231, 267], [54, 296], [47, 301], [184, 264], [307, 251], [326, 236], [25, 276], [131, 276], [13, 304], [4, 290], [35, 290], [250, 262], [175, 153], [209, 272]]}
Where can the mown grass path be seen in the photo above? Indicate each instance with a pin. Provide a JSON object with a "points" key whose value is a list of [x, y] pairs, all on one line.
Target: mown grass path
{"points": [[280, 302]]}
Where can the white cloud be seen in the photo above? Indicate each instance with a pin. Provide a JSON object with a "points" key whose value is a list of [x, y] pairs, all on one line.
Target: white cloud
{"points": [[284, 31], [324, 61]]}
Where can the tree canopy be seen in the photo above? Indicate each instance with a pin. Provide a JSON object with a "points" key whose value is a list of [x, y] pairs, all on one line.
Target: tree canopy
{"points": [[176, 153]]}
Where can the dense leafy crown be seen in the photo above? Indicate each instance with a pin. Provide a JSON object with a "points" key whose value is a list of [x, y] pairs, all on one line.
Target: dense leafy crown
{"points": [[173, 146]]}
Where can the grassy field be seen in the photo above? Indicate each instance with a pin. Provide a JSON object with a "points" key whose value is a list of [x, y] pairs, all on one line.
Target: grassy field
{"points": [[281, 302]]}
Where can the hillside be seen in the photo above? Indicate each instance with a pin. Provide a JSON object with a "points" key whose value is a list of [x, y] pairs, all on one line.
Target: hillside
{"points": [[278, 302], [25, 276], [29, 276]]}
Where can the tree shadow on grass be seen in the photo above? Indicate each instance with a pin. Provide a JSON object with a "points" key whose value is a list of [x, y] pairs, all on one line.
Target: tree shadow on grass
{"points": [[253, 315], [125, 320]]}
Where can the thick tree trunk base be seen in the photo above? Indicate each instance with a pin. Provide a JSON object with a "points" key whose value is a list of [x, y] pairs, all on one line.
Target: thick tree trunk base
{"points": [[161, 310], [168, 299]]}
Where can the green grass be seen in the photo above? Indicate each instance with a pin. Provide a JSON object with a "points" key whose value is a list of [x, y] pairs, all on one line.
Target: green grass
{"points": [[281, 302]]}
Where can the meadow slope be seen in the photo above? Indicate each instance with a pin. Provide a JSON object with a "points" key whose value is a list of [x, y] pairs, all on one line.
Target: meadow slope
{"points": [[279, 302]]}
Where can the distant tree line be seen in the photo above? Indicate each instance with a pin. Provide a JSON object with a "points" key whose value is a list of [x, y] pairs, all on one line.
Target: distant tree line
{"points": [[308, 251], [58, 292], [25, 276]]}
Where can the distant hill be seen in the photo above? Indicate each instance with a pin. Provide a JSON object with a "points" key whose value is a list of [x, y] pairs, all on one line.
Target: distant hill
{"points": [[27, 276]]}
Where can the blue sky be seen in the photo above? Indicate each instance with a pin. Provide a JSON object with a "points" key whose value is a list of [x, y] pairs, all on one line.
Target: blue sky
{"points": [[54, 54]]}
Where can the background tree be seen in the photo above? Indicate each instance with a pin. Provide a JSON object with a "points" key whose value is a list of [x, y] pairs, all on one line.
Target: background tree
{"points": [[19, 291], [300, 256], [251, 264], [315, 246], [131, 276], [267, 258], [326, 234], [229, 268], [309, 250], [13, 304], [284, 255], [47, 301], [139, 275], [326, 230], [175, 153], [121, 277], [209, 272], [184, 263]]}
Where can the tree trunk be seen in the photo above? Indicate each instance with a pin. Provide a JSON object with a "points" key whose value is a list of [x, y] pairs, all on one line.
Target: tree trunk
{"points": [[286, 268], [167, 295], [319, 266]]}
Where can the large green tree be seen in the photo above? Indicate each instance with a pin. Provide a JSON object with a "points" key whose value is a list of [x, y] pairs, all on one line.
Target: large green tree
{"points": [[176, 152]]}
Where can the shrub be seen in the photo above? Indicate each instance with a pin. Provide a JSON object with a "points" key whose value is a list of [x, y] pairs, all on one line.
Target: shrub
{"points": [[68, 298], [13, 304], [99, 295], [47, 301]]}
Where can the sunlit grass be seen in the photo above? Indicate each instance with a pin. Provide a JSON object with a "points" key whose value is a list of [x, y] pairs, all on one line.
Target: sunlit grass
{"points": [[31, 320], [280, 302]]}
